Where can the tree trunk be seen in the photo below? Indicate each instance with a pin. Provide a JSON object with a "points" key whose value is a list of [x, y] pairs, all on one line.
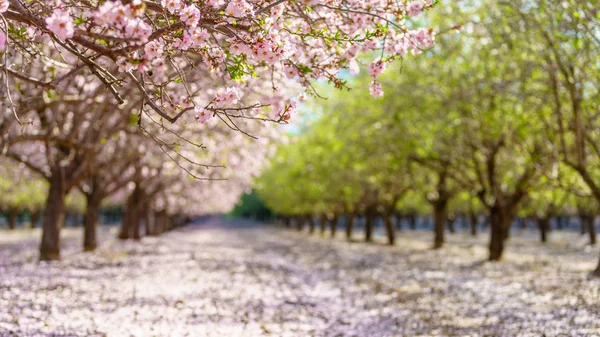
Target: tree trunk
{"points": [[543, 225], [499, 225], [287, 221], [35, 218], [439, 224], [53, 218], [583, 224], [159, 222], [473, 222], [398, 222], [12, 218], [350, 225], [91, 218], [523, 222], [559, 222], [369, 219], [130, 224], [592, 230], [150, 221], [596, 272], [299, 223], [389, 229], [451, 223], [311, 224], [323, 223], [333, 225], [412, 221]]}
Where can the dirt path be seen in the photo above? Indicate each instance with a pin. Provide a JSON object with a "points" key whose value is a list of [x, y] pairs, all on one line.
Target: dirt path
{"points": [[234, 278]]}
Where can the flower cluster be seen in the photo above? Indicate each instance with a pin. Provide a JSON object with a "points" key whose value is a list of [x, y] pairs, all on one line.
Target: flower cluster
{"points": [[61, 24], [202, 114], [227, 96], [239, 8]]}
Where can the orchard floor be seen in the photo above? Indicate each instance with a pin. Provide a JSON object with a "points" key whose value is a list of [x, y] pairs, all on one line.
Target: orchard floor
{"points": [[233, 278]]}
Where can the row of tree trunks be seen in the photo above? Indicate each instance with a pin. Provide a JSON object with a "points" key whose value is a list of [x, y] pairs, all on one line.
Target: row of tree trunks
{"points": [[13, 215]]}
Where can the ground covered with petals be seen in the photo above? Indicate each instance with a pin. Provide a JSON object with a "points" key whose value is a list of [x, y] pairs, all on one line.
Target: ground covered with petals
{"points": [[232, 278]]}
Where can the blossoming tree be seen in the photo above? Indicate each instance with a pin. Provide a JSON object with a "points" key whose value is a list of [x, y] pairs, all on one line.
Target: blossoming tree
{"points": [[203, 57]]}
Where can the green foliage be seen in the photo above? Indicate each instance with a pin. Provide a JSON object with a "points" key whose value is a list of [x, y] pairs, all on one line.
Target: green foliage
{"points": [[478, 108]]}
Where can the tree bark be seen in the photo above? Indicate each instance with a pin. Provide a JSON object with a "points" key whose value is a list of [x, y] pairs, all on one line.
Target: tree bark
{"points": [[596, 271], [300, 223], [350, 225], [451, 223], [389, 229], [412, 221], [91, 218], [12, 218], [559, 222], [440, 207], [500, 220], [473, 222], [543, 225], [583, 223], [35, 218], [369, 219], [130, 224], [311, 224], [333, 225], [159, 222], [150, 221], [592, 230], [53, 218], [323, 223]]}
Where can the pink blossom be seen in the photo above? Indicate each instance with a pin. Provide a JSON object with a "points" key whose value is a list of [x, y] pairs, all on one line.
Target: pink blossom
{"points": [[138, 29], [190, 15], [375, 89], [227, 96], [291, 71], [423, 37], [3, 6], [61, 24], [172, 5], [239, 8], [196, 37], [376, 68], [202, 114], [153, 49], [414, 8]]}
